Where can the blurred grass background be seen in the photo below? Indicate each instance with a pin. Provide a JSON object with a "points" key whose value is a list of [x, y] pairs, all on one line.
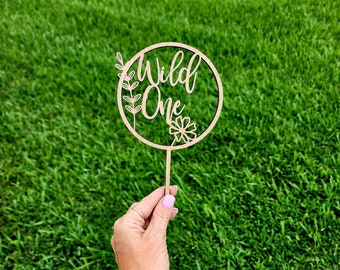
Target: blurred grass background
{"points": [[262, 191]]}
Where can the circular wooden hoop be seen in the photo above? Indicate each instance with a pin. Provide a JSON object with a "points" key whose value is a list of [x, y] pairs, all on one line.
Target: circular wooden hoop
{"points": [[212, 68]]}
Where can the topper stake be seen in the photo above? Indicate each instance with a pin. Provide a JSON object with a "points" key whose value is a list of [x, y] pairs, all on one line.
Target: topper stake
{"points": [[167, 173], [180, 126]]}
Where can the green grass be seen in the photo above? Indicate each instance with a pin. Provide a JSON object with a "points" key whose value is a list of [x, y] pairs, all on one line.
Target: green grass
{"points": [[262, 191]]}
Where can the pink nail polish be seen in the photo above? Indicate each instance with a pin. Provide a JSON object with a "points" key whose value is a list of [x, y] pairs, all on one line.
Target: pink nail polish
{"points": [[168, 201]]}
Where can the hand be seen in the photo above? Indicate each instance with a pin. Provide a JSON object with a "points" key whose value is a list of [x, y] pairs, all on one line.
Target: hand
{"points": [[139, 240]]}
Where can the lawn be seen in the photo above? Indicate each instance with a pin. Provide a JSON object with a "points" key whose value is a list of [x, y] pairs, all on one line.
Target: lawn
{"points": [[261, 191]]}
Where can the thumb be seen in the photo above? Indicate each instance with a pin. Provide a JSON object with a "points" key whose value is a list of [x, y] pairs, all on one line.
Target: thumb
{"points": [[161, 215]]}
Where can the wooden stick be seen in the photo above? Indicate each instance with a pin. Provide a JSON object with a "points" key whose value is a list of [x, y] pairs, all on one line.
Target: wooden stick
{"points": [[182, 128], [167, 173]]}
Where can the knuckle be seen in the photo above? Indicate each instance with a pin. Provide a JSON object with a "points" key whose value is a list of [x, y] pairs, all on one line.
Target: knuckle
{"points": [[117, 225], [161, 215]]}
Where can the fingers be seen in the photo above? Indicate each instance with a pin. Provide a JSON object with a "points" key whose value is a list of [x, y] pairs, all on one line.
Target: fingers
{"points": [[146, 206], [135, 246], [174, 213], [142, 212], [161, 216]]}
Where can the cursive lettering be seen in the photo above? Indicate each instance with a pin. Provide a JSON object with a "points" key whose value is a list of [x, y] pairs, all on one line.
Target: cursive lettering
{"points": [[186, 75], [170, 109]]}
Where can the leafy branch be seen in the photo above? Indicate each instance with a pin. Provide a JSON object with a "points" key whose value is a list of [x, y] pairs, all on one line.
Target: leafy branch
{"points": [[127, 85]]}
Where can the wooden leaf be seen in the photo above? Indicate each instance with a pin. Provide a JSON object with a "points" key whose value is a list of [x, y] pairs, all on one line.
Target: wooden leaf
{"points": [[134, 85], [129, 108], [128, 99], [137, 97], [119, 58], [131, 75], [138, 108], [119, 67]]}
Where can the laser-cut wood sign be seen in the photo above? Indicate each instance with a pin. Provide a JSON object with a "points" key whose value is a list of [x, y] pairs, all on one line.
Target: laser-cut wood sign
{"points": [[170, 96]]}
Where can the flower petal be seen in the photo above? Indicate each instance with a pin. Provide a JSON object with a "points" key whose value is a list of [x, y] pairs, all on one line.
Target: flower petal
{"points": [[192, 135], [173, 130], [175, 125], [178, 136], [186, 121], [179, 121], [191, 127], [185, 138]]}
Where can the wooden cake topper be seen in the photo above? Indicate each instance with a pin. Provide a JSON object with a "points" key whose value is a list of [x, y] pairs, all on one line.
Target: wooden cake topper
{"points": [[144, 82]]}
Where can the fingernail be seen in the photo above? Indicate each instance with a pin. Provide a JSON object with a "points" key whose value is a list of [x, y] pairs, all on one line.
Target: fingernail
{"points": [[168, 201], [175, 209]]}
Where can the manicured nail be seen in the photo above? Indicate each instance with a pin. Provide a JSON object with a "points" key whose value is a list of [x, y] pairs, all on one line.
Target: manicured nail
{"points": [[168, 201]]}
